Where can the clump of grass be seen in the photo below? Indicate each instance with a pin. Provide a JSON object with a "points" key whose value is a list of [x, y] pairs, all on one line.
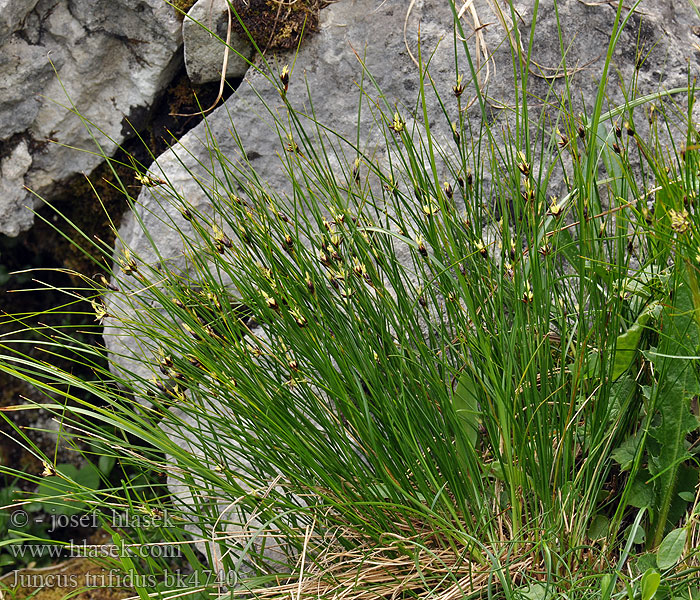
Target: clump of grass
{"points": [[395, 379]]}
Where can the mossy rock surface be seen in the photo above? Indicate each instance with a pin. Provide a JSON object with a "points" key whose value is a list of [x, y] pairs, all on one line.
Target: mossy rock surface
{"points": [[276, 24], [273, 24], [182, 6]]}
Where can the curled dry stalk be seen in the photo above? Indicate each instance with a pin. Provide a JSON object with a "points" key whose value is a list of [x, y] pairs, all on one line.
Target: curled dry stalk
{"points": [[224, 67]]}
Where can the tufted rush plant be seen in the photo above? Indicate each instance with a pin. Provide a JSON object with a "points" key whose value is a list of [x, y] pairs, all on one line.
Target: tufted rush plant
{"points": [[421, 375]]}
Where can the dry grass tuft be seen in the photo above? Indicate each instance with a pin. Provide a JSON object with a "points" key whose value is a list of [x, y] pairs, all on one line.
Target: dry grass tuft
{"points": [[416, 566]]}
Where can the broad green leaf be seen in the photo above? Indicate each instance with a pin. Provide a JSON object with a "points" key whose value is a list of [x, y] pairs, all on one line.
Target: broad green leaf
{"points": [[466, 406], [686, 484], [68, 470], [639, 534], [650, 583], [607, 584], [58, 490], [647, 282], [106, 464], [106, 460], [678, 383], [628, 342], [88, 477], [671, 549], [645, 562], [537, 591], [622, 393], [62, 488], [598, 528], [642, 492], [6, 559], [624, 454]]}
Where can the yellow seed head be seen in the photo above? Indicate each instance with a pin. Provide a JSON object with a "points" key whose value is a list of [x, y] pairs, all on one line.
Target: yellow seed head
{"points": [[398, 124], [554, 207], [679, 220]]}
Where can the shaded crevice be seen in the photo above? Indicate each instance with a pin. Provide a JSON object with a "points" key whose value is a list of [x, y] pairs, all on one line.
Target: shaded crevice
{"points": [[55, 247]]}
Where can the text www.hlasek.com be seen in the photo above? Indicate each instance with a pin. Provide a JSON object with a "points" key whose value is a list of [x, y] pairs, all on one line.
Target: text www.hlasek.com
{"points": [[85, 550]]}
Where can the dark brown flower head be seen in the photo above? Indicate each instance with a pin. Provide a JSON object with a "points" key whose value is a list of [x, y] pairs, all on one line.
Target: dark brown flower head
{"points": [[523, 165], [284, 77], [221, 239], [652, 114], [563, 140], [194, 361], [298, 317], [430, 209], [127, 263], [554, 207], [309, 283], [243, 233], [102, 280], [358, 267], [458, 88], [291, 145], [323, 257], [449, 192], [148, 180], [271, 302], [191, 331]]}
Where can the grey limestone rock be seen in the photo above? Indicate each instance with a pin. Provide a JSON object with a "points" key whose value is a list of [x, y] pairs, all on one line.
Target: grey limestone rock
{"points": [[327, 66], [12, 13], [112, 58], [13, 168]]}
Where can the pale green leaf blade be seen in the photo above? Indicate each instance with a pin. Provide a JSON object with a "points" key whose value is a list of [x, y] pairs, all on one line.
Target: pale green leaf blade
{"points": [[671, 548]]}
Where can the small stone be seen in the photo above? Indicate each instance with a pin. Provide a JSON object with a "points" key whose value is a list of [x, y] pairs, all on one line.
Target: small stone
{"points": [[204, 53]]}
